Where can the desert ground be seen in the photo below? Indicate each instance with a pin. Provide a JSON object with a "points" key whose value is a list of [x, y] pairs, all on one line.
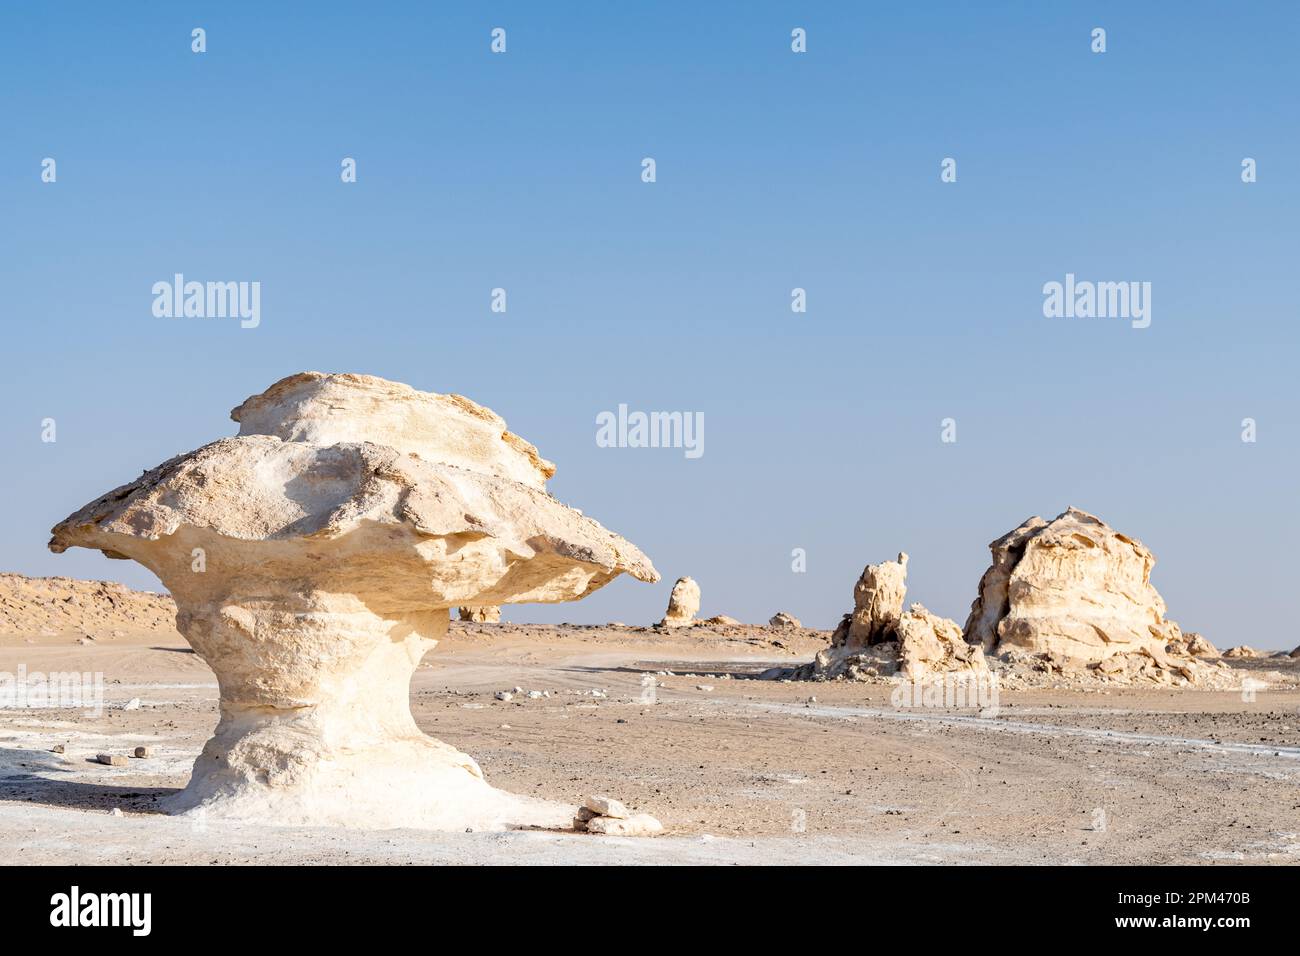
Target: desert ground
{"points": [[739, 770]]}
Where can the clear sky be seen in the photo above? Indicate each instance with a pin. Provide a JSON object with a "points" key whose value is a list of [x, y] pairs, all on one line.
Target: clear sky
{"points": [[775, 170]]}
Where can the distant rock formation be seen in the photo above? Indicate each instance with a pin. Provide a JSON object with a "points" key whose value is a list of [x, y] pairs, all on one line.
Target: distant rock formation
{"points": [[1076, 594], [488, 614], [781, 619], [1242, 652], [880, 639], [336, 531], [101, 610], [1197, 646], [683, 604]]}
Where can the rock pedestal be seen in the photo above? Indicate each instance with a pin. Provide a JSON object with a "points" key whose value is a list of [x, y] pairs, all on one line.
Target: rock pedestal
{"points": [[314, 559]]}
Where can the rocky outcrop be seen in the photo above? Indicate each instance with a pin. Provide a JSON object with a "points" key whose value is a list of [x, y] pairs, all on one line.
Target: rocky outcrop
{"points": [[878, 602], [782, 619], [881, 640], [100, 610], [480, 615], [683, 604], [720, 620], [314, 559], [1073, 593], [1242, 652]]}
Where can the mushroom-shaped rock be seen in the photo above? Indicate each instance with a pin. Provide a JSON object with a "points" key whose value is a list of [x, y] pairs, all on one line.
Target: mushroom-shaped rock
{"points": [[314, 559], [683, 604]]}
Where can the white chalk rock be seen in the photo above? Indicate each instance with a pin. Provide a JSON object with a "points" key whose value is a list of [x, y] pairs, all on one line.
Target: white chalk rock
{"points": [[337, 531], [606, 807], [683, 604]]}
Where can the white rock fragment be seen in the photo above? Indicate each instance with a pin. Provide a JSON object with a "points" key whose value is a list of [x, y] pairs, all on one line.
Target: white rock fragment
{"points": [[606, 806]]}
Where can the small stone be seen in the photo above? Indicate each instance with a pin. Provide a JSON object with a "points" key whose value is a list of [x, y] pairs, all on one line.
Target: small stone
{"points": [[606, 807], [111, 760], [534, 695], [585, 813], [580, 824], [640, 825], [59, 749], [704, 687], [115, 812], [144, 751], [132, 704], [505, 695]]}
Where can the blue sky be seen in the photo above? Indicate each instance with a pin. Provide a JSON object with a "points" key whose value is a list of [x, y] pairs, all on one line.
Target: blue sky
{"points": [[774, 170]]}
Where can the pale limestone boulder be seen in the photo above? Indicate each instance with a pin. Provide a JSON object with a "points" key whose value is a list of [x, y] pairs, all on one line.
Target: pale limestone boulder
{"points": [[1071, 587], [314, 560], [683, 604], [480, 615], [1242, 652], [1068, 595], [606, 807], [782, 619], [930, 645]]}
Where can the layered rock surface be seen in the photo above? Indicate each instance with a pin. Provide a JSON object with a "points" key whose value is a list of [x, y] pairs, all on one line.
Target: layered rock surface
{"points": [[314, 560], [1073, 594]]}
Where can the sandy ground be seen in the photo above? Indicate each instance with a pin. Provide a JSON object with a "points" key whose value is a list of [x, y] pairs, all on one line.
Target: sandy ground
{"points": [[745, 771]]}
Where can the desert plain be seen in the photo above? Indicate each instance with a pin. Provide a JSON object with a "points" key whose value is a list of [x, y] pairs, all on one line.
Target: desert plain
{"points": [[739, 770]]}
